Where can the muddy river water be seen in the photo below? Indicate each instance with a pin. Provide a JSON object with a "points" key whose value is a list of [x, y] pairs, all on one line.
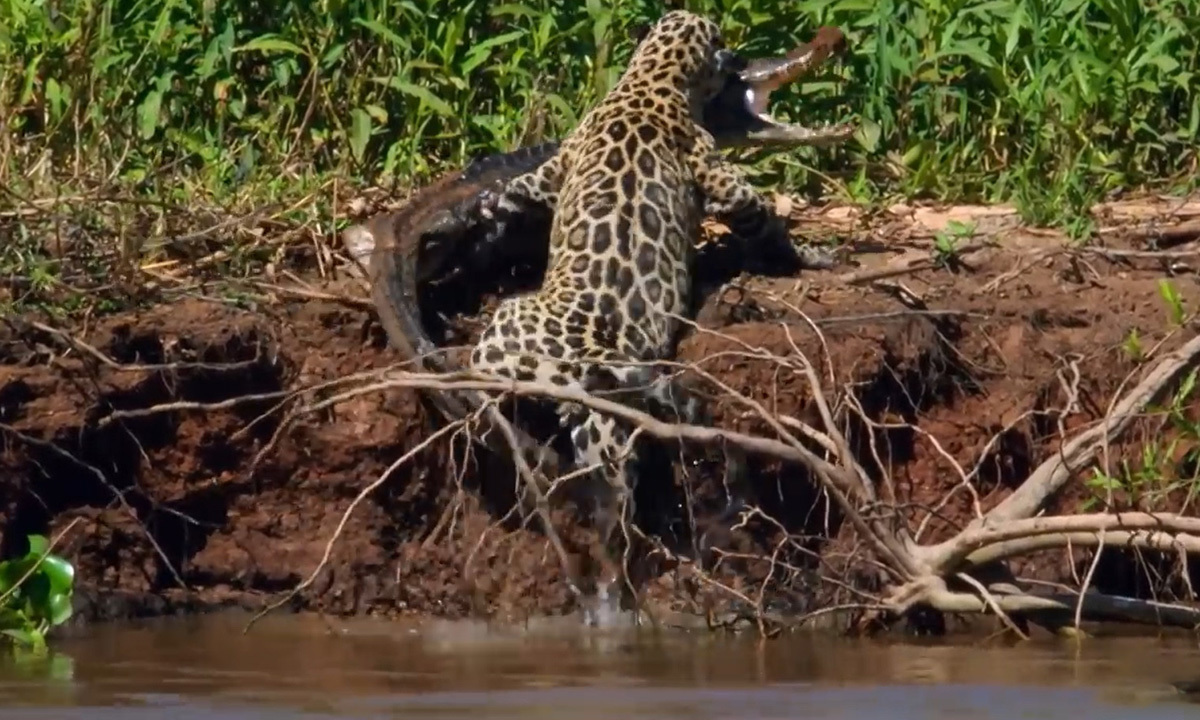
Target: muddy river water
{"points": [[305, 667]]}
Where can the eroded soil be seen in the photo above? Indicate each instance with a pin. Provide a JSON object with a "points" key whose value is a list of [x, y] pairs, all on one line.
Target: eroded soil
{"points": [[169, 444]]}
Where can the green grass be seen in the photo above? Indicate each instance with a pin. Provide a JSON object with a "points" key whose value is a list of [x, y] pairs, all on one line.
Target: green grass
{"points": [[160, 109]]}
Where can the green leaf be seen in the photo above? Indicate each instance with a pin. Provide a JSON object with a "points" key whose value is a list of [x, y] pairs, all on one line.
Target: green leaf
{"points": [[869, 134], [56, 98], [148, 114], [270, 43], [38, 545], [28, 637], [360, 132], [1170, 295], [1194, 122], [12, 571], [514, 10], [377, 113], [60, 573], [377, 28], [10, 618], [969, 49], [6, 576], [1186, 387], [564, 109], [480, 52], [60, 609], [333, 55], [31, 75], [37, 593], [208, 63], [439, 106], [1013, 31]]}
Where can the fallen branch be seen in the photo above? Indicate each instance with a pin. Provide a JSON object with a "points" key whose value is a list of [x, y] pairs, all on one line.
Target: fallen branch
{"points": [[846, 488], [977, 545], [1093, 606], [993, 537]]}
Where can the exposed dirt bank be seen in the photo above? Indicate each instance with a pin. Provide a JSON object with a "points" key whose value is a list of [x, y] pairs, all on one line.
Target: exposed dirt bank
{"points": [[138, 431]]}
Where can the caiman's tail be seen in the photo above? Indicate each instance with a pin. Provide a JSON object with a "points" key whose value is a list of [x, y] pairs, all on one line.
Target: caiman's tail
{"points": [[417, 242]]}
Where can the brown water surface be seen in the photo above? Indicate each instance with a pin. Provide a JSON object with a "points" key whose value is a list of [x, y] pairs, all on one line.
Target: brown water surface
{"points": [[304, 667]]}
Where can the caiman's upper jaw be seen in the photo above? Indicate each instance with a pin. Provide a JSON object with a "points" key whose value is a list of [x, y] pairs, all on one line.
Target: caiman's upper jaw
{"points": [[739, 116]]}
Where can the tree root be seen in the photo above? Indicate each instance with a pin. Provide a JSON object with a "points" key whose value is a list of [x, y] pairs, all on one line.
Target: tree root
{"points": [[920, 574], [946, 576]]}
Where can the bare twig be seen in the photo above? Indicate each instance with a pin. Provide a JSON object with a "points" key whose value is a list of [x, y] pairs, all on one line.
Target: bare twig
{"points": [[362, 495], [189, 405], [1094, 606]]}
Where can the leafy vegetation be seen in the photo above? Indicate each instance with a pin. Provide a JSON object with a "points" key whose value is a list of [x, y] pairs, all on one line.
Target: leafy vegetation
{"points": [[1047, 102], [946, 243], [128, 116], [1167, 474], [1169, 466], [35, 594]]}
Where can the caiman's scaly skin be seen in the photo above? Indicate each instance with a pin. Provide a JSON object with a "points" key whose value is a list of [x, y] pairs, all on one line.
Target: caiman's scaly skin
{"points": [[429, 228], [436, 221], [628, 189]]}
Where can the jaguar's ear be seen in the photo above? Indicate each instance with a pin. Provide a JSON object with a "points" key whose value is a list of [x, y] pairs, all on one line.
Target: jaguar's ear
{"points": [[638, 32]]}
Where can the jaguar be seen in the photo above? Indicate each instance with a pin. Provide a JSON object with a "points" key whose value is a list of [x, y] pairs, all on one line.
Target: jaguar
{"points": [[627, 190]]}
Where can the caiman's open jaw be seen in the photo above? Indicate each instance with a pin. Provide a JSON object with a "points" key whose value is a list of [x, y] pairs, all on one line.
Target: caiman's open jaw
{"points": [[738, 115]]}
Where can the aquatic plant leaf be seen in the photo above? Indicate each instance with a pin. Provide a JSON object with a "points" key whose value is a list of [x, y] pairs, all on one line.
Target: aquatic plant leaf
{"points": [[60, 608], [38, 545], [12, 571], [10, 618], [37, 593], [60, 572], [25, 636]]}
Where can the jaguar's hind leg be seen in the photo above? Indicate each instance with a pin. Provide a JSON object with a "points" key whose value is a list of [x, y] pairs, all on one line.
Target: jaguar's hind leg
{"points": [[608, 443], [604, 443]]}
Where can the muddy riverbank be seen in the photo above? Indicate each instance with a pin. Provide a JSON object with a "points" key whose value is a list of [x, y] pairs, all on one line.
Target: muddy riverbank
{"points": [[166, 439]]}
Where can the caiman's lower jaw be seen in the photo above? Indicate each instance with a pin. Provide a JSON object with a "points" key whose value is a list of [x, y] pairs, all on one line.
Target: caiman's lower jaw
{"points": [[739, 116], [763, 129]]}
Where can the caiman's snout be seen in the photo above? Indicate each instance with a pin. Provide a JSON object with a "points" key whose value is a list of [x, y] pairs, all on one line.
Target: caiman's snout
{"points": [[739, 116]]}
